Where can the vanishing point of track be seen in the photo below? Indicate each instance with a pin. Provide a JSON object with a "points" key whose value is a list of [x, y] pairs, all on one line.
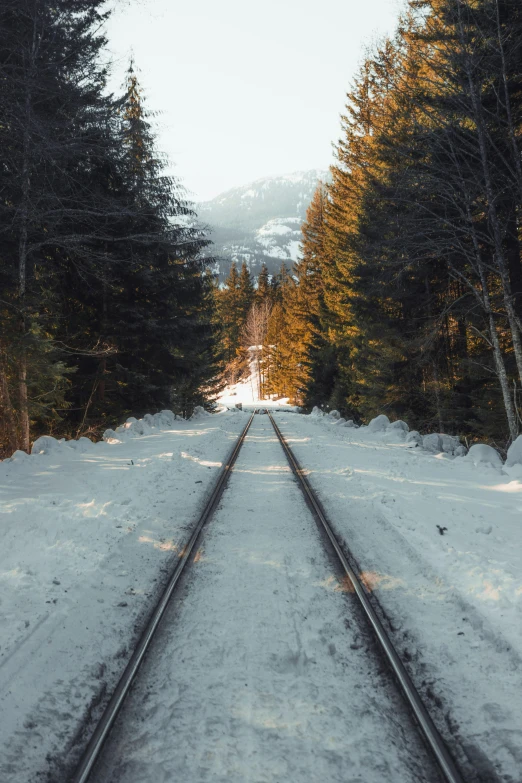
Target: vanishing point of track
{"points": [[423, 720]]}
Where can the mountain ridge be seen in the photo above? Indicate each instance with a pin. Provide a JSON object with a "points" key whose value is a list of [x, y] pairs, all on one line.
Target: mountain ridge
{"points": [[260, 222]]}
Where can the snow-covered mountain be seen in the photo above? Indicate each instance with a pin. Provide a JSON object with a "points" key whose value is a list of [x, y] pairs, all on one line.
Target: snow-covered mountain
{"points": [[260, 222]]}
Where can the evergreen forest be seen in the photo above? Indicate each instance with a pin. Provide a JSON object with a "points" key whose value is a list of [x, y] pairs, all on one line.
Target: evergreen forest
{"points": [[105, 302], [407, 298]]}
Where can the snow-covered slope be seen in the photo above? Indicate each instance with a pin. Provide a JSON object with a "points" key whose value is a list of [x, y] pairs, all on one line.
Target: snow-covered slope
{"points": [[246, 393], [260, 222]]}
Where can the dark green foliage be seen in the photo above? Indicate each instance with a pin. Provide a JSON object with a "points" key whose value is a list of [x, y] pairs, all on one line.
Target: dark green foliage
{"points": [[105, 307], [232, 305], [263, 288]]}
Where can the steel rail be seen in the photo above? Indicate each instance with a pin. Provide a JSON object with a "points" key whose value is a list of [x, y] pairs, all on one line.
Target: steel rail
{"points": [[424, 720], [106, 722]]}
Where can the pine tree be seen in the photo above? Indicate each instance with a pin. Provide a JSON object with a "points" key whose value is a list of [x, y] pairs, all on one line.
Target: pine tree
{"points": [[315, 370], [165, 293], [227, 314], [263, 288], [53, 117], [279, 356], [246, 293], [105, 307], [233, 303], [420, 256]]}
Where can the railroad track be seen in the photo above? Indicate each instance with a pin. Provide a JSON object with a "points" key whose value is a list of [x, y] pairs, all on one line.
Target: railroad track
{"points": [[410, 693], [423, 721]]}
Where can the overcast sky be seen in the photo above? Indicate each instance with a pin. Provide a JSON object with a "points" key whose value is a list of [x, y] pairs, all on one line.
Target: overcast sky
{"points": [[246, 88]]}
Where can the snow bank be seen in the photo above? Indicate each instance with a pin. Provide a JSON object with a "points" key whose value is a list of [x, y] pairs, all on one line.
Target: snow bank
{"points": [[18, 456], [49, 445], [82, 445], [514, 455], [482, 454], [164, 419], [379, 424], [136, 428], [380, 429], [438, 443], [133, 428], [432, 442], [452, 445], [199, 413], [398, 426]]}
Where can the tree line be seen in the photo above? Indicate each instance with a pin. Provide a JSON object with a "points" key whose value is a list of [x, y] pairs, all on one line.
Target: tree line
{"points": [[243, 308], [407, 298], [105, 304], [264, 328]]}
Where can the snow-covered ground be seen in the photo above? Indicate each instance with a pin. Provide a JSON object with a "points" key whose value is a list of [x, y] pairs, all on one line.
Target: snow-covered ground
{"points": [[261, 671], [245, 392], [87, 535], [438, 542]]}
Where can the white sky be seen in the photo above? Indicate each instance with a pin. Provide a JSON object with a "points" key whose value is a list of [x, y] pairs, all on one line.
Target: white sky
{"points": [[246, 89]]}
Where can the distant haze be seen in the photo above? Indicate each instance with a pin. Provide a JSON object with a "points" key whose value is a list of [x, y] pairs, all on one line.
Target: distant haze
{"points": [[260, 223], [246, 89]]}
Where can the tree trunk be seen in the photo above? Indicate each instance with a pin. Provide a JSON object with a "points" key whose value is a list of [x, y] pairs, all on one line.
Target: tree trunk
{"points": [[437, 396], [514, 262], [497, 351], [23, 403], [502, 376], [7, 411], [494, 222], [102, 366], [23, 400], [509, 113], [485, 302]]}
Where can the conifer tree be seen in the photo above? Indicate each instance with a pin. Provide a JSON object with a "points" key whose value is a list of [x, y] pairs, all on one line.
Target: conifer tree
{"points": [[166, 294], [263, 288], [233, 304], [307, 304], [105, 305], [246, 292], [279, 356], [420, 258], [227, 314], [54, 117]]}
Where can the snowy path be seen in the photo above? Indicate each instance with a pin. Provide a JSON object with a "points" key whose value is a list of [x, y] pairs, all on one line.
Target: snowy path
{"points": [[451, 599], [262, 670], [86, 540]]}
